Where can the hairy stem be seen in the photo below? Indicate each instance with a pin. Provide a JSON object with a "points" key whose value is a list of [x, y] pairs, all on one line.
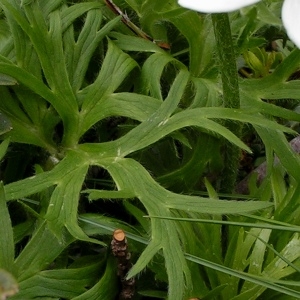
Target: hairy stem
{"points": [[231, 96]]}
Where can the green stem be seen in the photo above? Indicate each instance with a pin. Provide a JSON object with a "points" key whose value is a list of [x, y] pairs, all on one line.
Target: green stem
{"points": [[231, 97]]}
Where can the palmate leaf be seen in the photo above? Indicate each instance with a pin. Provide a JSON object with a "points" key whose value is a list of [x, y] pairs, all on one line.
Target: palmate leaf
{"points": [[62, 210], [43, 41], [160, 123], [68, 177], [275, 86], [148, 132], [115, 68], [66, 68], [64, 61], [35, 107], [87, 42], [149, 79], [37, 183], [128, 174]]}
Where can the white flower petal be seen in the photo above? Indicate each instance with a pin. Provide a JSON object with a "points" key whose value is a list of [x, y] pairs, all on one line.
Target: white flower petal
{"points": [[290, 19], [216, 6]]}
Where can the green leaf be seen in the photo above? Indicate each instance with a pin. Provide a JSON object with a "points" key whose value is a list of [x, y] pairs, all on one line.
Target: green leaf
{"points": [[280, 267], [276, 141], [106, 288], [133, 43], [149, 81], [259, 280], [153, 128], [267, 223], [62, 283], [138, 214], [210, 206], [95, 224], [23, 229], [62, 209], [267, 15], [68, 177], [71, 13], [154, 294], [131, 105], [129, 174], [63, 206], [7, 247], [207, 93], [205, 151], [3, 148], [40, 251], [29, 80], [103, 194], [199, 34], [115, 68], [45, 33], [87, 42]]}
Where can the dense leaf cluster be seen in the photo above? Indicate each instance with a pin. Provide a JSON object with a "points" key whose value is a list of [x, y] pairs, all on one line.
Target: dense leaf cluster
{"points": [[92, 111]]}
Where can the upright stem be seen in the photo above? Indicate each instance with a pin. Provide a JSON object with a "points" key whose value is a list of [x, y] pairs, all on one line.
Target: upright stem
{"points": [[231, 97]]}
